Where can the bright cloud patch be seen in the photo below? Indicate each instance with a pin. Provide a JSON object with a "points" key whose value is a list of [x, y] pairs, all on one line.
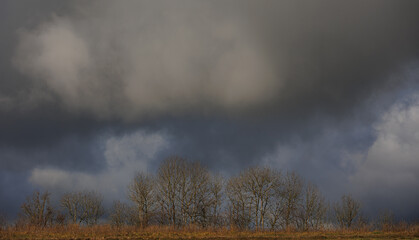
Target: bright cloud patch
{"points": [[390, 169], [124, 156]]}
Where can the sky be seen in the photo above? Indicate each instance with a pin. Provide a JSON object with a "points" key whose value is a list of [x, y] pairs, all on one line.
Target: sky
{"points": [[93, 91]]}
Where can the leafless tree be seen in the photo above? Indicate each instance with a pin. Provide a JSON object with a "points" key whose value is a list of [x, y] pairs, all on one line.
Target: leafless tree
{"points": [[119, 214], [203, 196], [186, 193], [347, 211], [171, 189], [251, 197], [142, 193], [291, 195], [260, 184], [217, 196], [37, 209], [93, 207], [313, 208], [83, 207], [72, 203], [275, 209], [132, 215], [239, 208]]}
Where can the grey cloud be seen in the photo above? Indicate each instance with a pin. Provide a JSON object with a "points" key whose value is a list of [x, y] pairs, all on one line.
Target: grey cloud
{"points": [[390, 168], [137, 59], [375, 161], [124, 156], [294, 84], [335, 54], [160, 63], [71, 152]]}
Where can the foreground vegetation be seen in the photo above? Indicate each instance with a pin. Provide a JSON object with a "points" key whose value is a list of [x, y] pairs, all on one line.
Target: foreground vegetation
{"points": [[154, 232]]}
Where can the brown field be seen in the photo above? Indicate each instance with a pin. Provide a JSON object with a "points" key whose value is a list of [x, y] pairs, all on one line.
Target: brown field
{"points": [[108, 232]]}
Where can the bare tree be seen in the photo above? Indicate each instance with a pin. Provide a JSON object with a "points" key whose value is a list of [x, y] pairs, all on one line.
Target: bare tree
{"points": [[313, 208], [170, 179], [72, 203], [347, 211], [119, 214], [217, 197], [251, 197], [141, 192], [260, 184], [275, 210], [290, 197], [239, 209], [37, 209], [184, 189], [203, 194], [93, 207], [83, 207], [184, 192]]}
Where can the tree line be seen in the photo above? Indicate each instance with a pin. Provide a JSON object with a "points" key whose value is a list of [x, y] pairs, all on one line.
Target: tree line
{"points": [[184, 193]]}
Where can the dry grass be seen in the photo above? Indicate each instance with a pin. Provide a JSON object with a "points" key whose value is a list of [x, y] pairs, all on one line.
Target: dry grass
{"points": [[108, 232]]}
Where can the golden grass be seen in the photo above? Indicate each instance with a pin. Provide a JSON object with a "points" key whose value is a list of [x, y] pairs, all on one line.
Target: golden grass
{"points": [[108, 232]]}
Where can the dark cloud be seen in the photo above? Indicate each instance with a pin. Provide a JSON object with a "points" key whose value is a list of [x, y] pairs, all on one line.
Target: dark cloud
{"points": [[334, 54], [296, 85]]}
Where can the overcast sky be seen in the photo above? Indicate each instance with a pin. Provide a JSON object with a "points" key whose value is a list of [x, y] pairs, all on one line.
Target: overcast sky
{"points": [[93, 91]]}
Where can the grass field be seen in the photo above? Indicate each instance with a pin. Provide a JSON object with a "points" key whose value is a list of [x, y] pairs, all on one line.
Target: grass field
{"points": [[107, 232]]}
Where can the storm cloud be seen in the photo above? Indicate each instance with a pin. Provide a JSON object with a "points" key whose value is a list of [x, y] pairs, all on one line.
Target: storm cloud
{"points": [[92, 92], [136, 59], [112, 63]]}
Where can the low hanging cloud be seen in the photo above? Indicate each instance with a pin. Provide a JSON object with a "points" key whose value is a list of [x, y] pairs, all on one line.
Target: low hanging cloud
{"points": [[124, 156], [389, 171], [126, 67]]}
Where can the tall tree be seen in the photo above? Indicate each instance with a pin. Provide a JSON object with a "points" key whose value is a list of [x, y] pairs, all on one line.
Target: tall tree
{"points": [[93, 207], [239, 208], [290, 197], [200, 198], [260, 184], [313, 208], [142, 193], [217, 196], [171, 189], [250, 196]]}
